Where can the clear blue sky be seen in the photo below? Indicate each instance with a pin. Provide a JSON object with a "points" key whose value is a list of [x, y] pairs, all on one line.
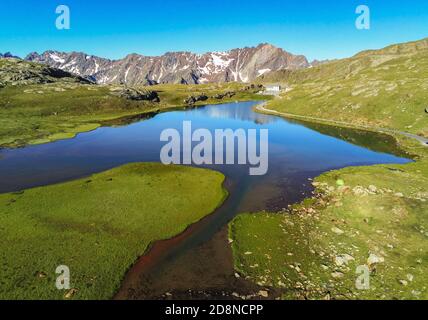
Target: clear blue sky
{"points": [[112, 29]]}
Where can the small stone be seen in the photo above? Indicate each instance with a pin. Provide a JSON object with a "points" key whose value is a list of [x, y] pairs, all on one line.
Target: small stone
{"points": [[41, 274], [263, 293], [337, 231], [337, 275], [403, 282], [399, 195], [374, 259], [343, 259], [237, 275], [410, 277], [248, 253], [416, 293], [70, 293], [372, 188]]}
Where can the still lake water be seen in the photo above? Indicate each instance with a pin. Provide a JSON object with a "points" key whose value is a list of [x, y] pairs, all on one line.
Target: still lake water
{"points": [[297, 152]]}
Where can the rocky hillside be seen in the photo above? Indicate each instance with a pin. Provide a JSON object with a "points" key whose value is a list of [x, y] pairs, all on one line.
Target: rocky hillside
{"points": [[350, 67], [7, 55], [19, 72], [385, 88], [240, 65]]}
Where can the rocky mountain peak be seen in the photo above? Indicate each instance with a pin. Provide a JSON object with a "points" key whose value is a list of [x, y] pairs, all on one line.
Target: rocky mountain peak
{"points": [[241, 65]]}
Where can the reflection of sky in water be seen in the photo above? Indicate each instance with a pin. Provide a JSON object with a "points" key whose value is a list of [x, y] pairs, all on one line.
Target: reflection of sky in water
{"points": [[292, 147], [239, 112]]}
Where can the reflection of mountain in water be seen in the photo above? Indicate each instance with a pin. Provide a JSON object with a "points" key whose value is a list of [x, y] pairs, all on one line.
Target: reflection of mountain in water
{"points": [[241, 112], [374, 141]]}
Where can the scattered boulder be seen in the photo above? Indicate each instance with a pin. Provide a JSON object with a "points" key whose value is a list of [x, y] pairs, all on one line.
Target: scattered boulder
{"points": [[337, 231], [16, 72], [337, 275], [403, 282], [374, 259], [70, 293], [360, 191], [340, 182], [228, 94], [137, 95], [343, 259], [253, 87], [263, 293], [193, 99]]}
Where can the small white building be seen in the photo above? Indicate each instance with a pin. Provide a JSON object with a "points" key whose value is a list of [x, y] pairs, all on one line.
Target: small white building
{"points": [[273, 88]]}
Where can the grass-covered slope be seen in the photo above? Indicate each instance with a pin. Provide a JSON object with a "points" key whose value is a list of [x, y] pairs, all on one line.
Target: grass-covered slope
{"points": [[374, 216], [97, 226], [382, 88]]}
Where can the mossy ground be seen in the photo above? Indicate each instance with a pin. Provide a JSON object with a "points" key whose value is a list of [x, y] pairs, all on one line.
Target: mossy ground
{"points": [[312, 250], [97, 226]]}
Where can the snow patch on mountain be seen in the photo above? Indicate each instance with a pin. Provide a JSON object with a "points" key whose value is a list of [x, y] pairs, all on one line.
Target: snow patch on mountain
{"points": [[242, 65]]}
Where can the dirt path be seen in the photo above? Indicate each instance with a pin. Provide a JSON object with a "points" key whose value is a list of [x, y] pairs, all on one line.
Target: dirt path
{"points": [[262, 107]]}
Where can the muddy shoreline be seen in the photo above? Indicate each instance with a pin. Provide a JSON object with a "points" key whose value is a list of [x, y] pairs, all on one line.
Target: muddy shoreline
{"points": [[176, 268]]}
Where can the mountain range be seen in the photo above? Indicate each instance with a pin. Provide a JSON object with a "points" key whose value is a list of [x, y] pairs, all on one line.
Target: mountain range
{"points": [[240, 65], [7, 55]]}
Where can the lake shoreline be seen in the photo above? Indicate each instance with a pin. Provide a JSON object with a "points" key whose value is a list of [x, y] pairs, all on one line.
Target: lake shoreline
{"points": [[205, 243], [337, 193]]}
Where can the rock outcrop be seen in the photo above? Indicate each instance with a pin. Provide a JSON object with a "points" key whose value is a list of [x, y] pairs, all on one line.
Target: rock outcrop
{"points": [[137, 95], [193, 99], [18, 72]]}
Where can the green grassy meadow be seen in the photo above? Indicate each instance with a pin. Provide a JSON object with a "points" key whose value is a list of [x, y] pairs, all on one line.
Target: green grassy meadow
{"points": [[41, 113], [373, 216], [97, 226]]}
